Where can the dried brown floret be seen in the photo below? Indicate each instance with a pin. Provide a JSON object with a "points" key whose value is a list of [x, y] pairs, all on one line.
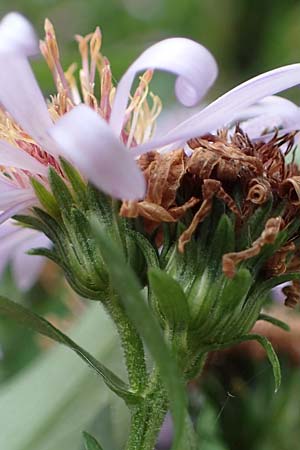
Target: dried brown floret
{"points": [[277, 264], [164, 176], [222, 160], [268, 236], [292, 293], [210, 189], [290, 188], [259, 191]]}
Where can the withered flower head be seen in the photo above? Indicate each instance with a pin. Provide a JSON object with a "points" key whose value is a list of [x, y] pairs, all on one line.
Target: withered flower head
{"points": [[251, 183]]}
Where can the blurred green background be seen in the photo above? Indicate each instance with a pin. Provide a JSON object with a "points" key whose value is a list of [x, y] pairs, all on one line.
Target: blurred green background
{"points": [[247, 37]]}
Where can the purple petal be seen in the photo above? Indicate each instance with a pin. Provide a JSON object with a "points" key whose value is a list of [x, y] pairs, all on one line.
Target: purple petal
{"points": [[22, 98], [18, 35], [228, 107], [194, 65], [11, 156], [14, 242], [26, 267], [12, 196], [88, 141], [16, 209], [272, 112]]}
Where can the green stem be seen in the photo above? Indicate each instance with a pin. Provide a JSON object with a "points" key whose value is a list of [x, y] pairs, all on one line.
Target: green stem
{"points": [[147, 418], [131, 343]]}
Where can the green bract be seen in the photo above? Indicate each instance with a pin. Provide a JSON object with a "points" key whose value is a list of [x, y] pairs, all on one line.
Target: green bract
{"points": [[64, 217]]}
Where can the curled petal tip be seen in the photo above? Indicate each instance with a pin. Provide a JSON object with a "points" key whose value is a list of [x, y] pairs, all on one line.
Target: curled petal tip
{"points": [[194, 66]]}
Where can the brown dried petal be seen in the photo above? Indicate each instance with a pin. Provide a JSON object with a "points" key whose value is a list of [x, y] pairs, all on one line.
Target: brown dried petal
{"points": [[292, 293], [209, 189], [268, 236], [290, 188], [164, 178], [276, 265], [259, 191]]}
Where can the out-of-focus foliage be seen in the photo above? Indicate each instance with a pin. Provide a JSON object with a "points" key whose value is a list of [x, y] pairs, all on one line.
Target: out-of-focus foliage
{"points": [[246, 37], [237, 408]]}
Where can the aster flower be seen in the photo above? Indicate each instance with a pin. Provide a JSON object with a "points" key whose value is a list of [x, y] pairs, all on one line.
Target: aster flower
{"points": [[98, 142], [208, 232]]}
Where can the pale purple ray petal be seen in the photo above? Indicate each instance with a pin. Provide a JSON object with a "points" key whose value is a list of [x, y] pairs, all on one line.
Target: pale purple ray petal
{"points": [[18, 35], [11, 156], [271, 113], [27, 268], [22, 98], [12, 196], [88, 141], [14, 242], [194, 65], [227, 107], [268, 105], [16, 209]]}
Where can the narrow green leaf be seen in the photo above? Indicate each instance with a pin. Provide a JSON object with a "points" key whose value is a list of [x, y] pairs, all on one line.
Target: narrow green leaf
{"points": [[264, 342], [273, 358], [45, 197], [171, 299], [129, 290], [275, 281], [278, 323], [31, 320], [90, 442]]}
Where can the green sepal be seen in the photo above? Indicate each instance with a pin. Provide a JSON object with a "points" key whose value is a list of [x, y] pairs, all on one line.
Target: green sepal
{"points": [[45, 197], [254, 225], [30, 222], [29, 319], [236, 290], [278, 323], [60, 191], [83, 243], [170, 298], [90, 442], [47, 253], [222, 242], [78, 185]]}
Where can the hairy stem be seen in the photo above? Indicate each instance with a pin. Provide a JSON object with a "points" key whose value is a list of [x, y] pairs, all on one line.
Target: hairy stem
{"points": [[147, 418], [131, 343]]}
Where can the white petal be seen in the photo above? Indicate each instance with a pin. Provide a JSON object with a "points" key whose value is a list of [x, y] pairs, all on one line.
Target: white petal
{"points": [[88, 141], [228, 107], [13, 157], [18, 35], [22, 98], [194, 65]]}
